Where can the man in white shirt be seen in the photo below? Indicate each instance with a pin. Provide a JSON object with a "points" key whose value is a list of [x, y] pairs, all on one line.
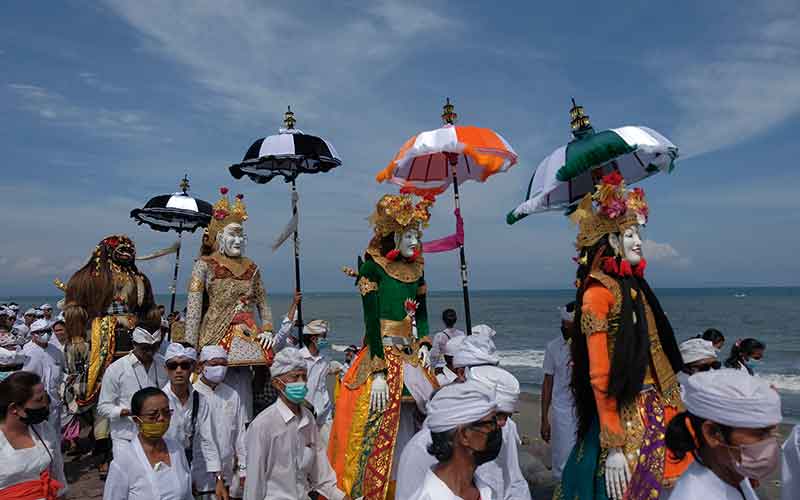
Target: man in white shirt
{"points": [[559, 422], [142, 367], [449, 318], [45, 360], [59, 338], [448, 374], [191, 424], [315, 333], [464, 435], [47, 312], [227, 420], [287, 459]]}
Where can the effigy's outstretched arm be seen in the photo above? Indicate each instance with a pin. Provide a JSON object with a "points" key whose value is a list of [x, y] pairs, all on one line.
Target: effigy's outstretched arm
{"points": [[194, 303]]}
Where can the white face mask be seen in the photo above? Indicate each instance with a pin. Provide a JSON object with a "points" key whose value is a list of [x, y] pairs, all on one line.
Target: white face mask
{"points": [[231, 240], [409, 242], [215, 374], [629, 244], [44, 338]]}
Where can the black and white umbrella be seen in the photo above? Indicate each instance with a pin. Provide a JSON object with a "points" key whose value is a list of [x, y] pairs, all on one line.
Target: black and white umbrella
{"points": [[287, 155], [177, 212]]}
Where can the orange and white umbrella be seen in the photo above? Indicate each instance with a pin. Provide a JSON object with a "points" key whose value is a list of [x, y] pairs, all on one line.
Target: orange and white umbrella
{"points": [[431, 161], [424, 165]]}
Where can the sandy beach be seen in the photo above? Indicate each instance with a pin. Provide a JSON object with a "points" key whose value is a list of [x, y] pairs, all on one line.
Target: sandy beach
{"points": [[85, 482]]}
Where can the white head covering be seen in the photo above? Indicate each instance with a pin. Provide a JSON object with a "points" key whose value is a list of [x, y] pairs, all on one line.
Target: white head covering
{"points": [[39, 313], [30, 312], [733, 398], [20, 330], [14, 307], [39, 325], [454, 345], [484, 330], [696, 349], [316, 327], [8, 340], [10, 356], [46, 307], [476, 350], [504, 383], [287, 360], [142, 336], [176, 350], [459, 404], [4, 311], [212, 352], [566, 315]]}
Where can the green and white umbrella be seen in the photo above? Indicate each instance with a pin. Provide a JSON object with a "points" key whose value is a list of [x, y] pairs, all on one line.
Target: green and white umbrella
{"points": [[571, 171]]}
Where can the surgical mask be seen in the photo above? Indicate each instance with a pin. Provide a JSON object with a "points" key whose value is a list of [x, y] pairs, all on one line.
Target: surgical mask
{"points": [[295, 391], [758, 460], [215, 374], [754, 362], [494, 441], [35, 416], [44, 337], [152, 430], [322, 343]]}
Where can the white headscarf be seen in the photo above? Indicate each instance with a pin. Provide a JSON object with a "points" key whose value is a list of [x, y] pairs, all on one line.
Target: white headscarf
{"points": [[46, 307], [453, 345], [176, 350], [213, 352], [30, 312], [566, 315], [696, 349], [39, 325], [476, 350], [316, 327], [142, 336], [287, 360], [12, 356], [504, 383], [459, 404], [733, 398], [484, 330]]}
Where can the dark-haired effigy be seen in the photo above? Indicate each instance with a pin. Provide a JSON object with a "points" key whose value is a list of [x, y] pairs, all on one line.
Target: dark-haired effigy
{"points": [[625, 357]]}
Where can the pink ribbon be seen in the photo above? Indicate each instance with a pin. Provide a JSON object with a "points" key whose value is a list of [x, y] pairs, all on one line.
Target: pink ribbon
{"points": [[447, 243]]}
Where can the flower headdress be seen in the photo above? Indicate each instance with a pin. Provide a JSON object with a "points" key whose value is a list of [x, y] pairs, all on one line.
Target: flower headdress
{"points": [[610, 209], [223, 213], [398, 213]]}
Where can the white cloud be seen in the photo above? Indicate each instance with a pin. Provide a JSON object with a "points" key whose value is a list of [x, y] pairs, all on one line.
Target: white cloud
{"points": [[735, 90], [664, 252], [58, 110], [93, 80]]}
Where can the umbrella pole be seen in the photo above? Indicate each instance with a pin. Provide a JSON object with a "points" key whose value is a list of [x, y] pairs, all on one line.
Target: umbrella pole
{"points": [[297, 268], [175, 275], [464, 282]]}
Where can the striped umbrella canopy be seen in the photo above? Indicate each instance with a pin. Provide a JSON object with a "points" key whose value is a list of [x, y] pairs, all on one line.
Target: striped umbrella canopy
{"points": [[174, 212], [424, 165], [288, 154], [571, 171]]}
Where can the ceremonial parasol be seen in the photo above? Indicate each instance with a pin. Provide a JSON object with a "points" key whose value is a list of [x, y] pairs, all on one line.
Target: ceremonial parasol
{"points": [[177, 212], [288, 154], [571, 171], [431, 161]]}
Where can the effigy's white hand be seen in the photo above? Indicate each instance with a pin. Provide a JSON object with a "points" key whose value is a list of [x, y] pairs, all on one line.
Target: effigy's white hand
{"points": [[267, 339], [617, 474], [425, 356], [379, 393]]}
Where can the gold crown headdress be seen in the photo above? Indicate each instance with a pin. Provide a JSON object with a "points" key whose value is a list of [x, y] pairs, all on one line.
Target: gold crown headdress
{"points": [[617, 210], [398, 213], [223, 213]]}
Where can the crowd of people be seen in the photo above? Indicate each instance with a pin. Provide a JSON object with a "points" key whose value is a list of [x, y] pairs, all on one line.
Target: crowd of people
{"points": [[180, 430]]}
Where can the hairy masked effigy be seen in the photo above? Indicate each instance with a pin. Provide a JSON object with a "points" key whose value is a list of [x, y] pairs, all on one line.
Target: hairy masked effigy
{"points": [[105, 300], [225, 291], [625, 356], [389, 382]]}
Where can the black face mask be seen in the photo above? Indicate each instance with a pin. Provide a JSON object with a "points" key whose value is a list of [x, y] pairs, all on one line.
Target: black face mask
{"points": [[35, 416], [494, 441]]}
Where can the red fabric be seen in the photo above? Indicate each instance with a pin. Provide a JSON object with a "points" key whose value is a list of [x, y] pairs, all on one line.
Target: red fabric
{"points": [[44, 487], [447, 243], [393, 254]]}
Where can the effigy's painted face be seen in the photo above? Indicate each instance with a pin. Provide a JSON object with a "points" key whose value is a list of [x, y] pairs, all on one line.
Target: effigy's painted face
{"points": [[409, 243], [629, 244], [124, 252], [231, 240]]}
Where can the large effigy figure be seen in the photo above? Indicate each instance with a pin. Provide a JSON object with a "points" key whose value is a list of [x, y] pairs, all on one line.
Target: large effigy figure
{"points": [[225, 292], [389, 382], [625, 357]]}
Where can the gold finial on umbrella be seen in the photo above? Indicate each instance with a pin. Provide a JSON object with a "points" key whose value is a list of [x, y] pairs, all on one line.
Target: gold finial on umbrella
{"points": [[288, 118], [449, 115], [579, 120]]}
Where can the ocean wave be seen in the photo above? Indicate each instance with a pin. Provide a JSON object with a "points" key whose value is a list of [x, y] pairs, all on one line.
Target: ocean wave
{"points": [[782, 382], [529, 358]]}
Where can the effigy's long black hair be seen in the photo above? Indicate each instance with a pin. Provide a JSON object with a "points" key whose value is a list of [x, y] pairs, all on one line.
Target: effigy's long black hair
{"points": [[631, 345]]}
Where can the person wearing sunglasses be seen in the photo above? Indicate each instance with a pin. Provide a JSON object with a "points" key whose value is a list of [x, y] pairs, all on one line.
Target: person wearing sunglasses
{"points": [[141, 368], [465, 434], [699, 355], [150, 466], [730, 428], [191, 423]]}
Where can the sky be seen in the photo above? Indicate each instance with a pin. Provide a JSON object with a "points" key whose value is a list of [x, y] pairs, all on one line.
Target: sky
{"points": [[106, 104]]}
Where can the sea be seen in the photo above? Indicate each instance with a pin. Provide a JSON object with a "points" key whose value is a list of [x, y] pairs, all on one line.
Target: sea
{"points": [[526, 320]]}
